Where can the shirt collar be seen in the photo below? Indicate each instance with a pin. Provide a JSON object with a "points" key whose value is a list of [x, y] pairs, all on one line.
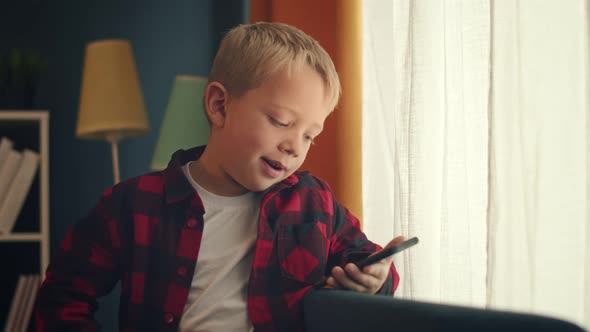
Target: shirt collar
{"points": [[177, 187]]}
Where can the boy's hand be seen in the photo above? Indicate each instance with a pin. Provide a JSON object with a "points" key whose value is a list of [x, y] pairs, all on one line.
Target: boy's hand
{"points": [[369, 280]]}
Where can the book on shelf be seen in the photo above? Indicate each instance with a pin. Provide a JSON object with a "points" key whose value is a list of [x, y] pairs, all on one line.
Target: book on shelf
{"points": [[22, 303], [16, 303], [5, 146], [29, 301], [8, 170], [17, 192]]}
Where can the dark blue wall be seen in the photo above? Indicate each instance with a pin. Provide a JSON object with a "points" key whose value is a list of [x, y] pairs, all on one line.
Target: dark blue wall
{"points": [[168, 38]]}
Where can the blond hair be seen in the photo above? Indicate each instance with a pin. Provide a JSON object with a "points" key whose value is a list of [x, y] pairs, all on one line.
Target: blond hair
{"points": [[251, 53]]}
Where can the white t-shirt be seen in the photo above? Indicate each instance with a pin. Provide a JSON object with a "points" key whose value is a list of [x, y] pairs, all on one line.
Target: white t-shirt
{"points": [[217, 299]]}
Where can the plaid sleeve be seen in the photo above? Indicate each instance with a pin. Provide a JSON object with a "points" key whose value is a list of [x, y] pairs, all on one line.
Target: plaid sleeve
{"points": [[85, 268], [350, 244]]}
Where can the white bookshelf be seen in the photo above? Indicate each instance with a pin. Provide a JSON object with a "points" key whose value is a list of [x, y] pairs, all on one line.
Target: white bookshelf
{"points": [[40, 119]]}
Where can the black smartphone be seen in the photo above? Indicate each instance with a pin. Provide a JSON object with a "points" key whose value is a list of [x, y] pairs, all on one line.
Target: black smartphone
{"points": [[374, 258], [379, 255]]}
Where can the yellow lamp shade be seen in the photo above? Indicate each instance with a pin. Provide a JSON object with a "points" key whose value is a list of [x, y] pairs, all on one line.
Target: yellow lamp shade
{"points": [[111, 101], [185, 124]]}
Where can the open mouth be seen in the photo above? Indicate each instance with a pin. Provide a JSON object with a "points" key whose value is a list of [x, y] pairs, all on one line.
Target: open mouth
{"points": [[274, 164]]}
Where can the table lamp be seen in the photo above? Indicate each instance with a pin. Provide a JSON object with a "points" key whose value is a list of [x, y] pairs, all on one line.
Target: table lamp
{"points": [[111, 101], [185, 124]]}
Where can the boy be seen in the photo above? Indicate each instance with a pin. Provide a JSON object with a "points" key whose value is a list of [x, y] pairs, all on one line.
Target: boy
{"points": [[229, 237]]}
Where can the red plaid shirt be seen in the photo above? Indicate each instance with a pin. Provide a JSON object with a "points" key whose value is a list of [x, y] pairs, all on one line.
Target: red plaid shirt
{"points": [[146, 232]]}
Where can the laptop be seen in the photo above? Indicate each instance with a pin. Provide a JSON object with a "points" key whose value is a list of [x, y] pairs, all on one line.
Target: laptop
{"points": [[338, 310]]}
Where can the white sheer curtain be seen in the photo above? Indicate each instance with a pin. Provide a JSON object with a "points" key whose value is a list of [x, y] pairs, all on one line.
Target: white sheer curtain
{"points": [[538, 180], [425, 132], [475, 139]]}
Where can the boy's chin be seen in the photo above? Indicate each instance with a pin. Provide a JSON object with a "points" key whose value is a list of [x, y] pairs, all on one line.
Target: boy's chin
{"points": [[259, 187]]}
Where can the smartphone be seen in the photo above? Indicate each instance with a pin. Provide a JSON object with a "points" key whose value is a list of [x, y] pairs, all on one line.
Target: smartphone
{"points": [[374, 258], [379, 255]]}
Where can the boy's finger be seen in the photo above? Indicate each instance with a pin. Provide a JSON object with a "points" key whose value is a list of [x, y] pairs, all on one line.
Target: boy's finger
{"points": [[337, 273], [333, 283], [391, 243], [395, 241], [378, 270], [345, 281], [366, 280]]}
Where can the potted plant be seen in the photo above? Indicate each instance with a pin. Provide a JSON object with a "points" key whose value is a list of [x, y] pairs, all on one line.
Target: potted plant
{"points": [[20, 70]]}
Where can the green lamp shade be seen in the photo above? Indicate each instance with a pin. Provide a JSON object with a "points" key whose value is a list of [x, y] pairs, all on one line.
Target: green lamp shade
{"points": [[185, 123]]}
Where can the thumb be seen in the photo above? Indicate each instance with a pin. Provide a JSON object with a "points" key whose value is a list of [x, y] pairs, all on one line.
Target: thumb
{"points": [[395, 241]]}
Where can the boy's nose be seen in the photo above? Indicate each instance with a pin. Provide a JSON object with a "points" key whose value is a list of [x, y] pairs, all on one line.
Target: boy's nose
{"points": [[290, 147]]}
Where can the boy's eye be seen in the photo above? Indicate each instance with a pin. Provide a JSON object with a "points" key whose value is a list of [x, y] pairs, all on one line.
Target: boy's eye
{"points": [[278, 123], [309, 139]]}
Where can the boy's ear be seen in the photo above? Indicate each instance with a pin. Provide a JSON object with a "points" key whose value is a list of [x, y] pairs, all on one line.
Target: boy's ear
{"points": [[216, 97]]}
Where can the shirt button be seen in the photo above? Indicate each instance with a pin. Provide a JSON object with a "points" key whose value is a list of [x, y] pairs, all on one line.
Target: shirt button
{"points": [[181, 271], [191, 223], [168, 318]]}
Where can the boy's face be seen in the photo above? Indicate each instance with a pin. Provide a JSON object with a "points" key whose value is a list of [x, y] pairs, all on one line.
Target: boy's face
{"points": [[267, 132]]}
